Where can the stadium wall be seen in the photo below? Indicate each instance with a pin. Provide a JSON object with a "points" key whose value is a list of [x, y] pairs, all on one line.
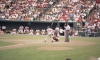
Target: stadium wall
{"points": [[33, 24]]}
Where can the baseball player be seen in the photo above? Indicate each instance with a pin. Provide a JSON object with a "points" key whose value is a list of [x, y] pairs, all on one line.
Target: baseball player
{"points": [[49, 33], [56, 36]]}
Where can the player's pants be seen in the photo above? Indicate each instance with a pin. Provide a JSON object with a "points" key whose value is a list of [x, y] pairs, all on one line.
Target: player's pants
{"points": [[67, 36], [56, 39], [49, 35]]}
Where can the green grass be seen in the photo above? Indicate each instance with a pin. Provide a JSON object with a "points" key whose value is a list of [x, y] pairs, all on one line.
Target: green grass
{"points": [[2, 43], [31, 53], [21, 36]]}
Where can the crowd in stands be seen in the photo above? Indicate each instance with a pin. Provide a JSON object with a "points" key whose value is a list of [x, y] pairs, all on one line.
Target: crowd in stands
{"points": [[72, 10], [29, 10], [22, 10], [64, 10]]}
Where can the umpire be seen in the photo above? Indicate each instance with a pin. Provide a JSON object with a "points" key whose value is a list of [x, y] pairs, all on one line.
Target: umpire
{"points": [[67, 28]]}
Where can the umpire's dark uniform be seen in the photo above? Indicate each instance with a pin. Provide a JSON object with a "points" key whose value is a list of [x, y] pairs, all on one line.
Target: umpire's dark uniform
{"points": [[67, 28]]}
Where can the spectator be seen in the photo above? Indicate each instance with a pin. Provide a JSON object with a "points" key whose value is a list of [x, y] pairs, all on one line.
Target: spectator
{"points": [[87, 32], [96, 28], [43, 31], [14, 31], [31, 31], [20, 30], [1, 32], [4, 28], [76, 33], [26, 30], [37, 32]]}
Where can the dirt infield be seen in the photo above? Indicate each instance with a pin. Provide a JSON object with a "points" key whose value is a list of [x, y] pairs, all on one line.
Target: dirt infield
{"points": [[45, 45]]}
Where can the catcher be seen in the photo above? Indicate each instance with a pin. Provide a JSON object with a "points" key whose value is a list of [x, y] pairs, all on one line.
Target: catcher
{"points": [[56, 36]]}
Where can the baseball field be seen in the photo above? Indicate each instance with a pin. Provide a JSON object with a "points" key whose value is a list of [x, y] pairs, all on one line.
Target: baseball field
{"points": [[32, 47]]}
